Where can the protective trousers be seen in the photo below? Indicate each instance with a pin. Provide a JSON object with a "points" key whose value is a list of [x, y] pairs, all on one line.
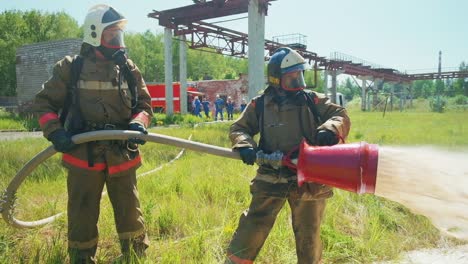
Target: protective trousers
{"points": [[256, 222], [84, 195], [220, 112]]}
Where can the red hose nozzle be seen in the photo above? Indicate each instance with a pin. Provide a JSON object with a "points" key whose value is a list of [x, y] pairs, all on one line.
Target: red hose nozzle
{"points": [[351, 167]]}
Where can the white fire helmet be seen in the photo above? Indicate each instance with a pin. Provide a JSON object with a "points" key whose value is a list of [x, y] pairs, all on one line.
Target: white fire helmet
{"points": [[285, 69], [99, 18]]}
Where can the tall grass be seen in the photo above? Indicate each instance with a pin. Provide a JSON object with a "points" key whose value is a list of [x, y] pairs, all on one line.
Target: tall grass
{"points": [[192, 206], [13, 121]]}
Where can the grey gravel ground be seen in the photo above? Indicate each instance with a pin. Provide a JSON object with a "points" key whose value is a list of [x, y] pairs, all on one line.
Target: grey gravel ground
{"points": [[442, 255], [17, 135]]}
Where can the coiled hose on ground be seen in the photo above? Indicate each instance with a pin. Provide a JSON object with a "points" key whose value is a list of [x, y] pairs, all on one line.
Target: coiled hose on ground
{"points": [[7, 200]]}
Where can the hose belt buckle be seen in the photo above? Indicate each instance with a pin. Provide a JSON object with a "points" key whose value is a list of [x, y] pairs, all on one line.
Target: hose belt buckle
{"points": [[132, 147]]}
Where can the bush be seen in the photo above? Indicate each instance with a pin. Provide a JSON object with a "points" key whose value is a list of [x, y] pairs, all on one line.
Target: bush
{"points": [[30, 122], [460, 99], [176, 119], [438, 104]]}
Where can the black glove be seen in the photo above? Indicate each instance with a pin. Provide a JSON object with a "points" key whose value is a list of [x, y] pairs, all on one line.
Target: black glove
{"points": [[248, 155], [61, 140], [326, 138], [140, 128]]}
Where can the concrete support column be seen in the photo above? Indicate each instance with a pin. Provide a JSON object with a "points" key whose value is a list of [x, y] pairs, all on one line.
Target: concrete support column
{"points": [[325, 82], [256, 48], [402, 97], [183, 74], [333, 87], [363, 93], [368, 102], [410, 93], [168, 71], [392, 92], [378, 85]]}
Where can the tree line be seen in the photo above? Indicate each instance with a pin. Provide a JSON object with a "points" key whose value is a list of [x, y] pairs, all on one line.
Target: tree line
{"points": [[18, 28]]}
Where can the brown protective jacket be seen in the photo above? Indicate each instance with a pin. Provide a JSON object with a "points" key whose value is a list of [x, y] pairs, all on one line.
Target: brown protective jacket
{"points": [[101, 103], [284, 126]]}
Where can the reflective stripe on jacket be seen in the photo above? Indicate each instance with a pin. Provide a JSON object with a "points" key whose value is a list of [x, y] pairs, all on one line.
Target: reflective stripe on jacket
{"points": [[101, 102]]}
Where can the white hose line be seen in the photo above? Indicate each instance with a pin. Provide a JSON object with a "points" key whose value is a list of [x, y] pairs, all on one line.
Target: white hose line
{"points": [[8, 198]]}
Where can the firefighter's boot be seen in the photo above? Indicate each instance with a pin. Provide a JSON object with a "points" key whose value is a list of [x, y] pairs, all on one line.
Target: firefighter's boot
{"points": [[82, 256], [133, 248]]}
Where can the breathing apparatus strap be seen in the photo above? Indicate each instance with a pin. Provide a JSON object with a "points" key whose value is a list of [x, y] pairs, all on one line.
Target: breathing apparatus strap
{"points": [[259, 109], [310, 102], [72, 102], [310, 99], [71, 98], [121, 60]]}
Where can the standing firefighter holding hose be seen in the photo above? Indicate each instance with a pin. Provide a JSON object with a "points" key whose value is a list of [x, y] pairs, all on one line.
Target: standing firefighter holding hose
{"points": [[98, 90], [284, 115]]}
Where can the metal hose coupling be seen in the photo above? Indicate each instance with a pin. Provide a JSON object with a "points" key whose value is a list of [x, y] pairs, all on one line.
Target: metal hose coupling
{"points": [[275, 159]]}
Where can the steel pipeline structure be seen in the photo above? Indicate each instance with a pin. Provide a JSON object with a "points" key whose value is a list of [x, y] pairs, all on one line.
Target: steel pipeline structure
{"points": [[187, 21], [351, 167]]}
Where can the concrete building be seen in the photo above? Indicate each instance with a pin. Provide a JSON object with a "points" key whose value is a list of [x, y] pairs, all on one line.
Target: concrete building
{"points": [[34, 64]]}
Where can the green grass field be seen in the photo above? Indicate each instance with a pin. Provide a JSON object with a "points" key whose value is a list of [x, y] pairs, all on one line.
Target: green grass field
{"points": [[192, 206]]}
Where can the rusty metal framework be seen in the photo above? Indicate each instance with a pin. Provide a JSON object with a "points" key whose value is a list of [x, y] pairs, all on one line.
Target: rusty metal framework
{"points": [[204, 10], [186, 21]]}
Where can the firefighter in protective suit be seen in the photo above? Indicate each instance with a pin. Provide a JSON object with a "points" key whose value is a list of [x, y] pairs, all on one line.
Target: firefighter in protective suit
{"points": [[284, 115], [109, 93]]}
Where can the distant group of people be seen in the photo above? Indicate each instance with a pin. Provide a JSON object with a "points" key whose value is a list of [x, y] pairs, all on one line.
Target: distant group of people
{"points": [[219, 104]]}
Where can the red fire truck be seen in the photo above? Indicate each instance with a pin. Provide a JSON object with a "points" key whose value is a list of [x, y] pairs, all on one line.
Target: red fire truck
{"points": [[158, 96]]}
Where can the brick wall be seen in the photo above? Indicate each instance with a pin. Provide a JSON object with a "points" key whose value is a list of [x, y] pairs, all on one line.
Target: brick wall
{"points": [[237, 89], [34, 64]]}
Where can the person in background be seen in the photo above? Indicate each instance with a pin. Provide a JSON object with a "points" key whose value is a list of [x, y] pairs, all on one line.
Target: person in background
{"points": [[219, 106], [109, 93], [197, 107], [243, 105], [284, 115], [229, 108], [206, 107]]}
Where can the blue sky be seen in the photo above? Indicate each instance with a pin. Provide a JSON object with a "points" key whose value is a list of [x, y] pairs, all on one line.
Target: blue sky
{"points": [[402, 34]]}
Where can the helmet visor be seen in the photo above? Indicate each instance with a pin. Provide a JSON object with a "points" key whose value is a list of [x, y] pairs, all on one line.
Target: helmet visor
{"points": [[113, 37], [293, 81]]}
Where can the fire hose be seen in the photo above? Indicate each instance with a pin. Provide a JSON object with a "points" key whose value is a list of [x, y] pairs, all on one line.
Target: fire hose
{"points": [[8, 197], [351, 167]]}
